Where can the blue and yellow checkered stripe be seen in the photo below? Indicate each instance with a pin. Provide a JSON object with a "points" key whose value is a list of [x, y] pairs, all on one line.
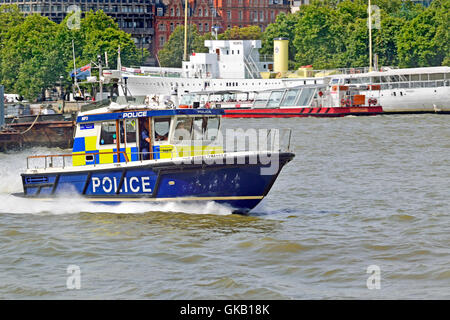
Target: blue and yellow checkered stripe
{"points": [[85, 145]]}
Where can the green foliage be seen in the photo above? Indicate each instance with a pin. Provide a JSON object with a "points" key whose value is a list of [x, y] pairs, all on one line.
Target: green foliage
{"points": [[245, 33], [35, 52], [284, 27], [171, 55], [29, 56], [424, 40], [332, 34]]}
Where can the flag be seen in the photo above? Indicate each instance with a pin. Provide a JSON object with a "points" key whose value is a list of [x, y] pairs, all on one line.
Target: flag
{"points": [[82, 73]]}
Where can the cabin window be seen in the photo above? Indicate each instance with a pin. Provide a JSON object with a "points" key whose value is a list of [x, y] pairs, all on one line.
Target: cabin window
{"points": [[275, 99], [261, 99], [183, 129], [306, 96], [199, 128], [436, 76], [289, 98], [162, 126], [212, 130], [130, 130], [108, 133]]}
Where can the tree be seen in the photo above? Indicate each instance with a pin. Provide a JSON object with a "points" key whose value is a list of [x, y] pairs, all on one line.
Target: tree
{"points": [[98, 33], [10, 17], [35, 51], [284, 27], [245, 33], [30, 60], [171, 55], [318, 37], [424, 41]]}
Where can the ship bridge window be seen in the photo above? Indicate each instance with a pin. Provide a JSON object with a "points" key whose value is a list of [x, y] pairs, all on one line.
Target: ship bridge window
{"points": [[161, 126], [289, 98], [183, 129], [108, 133]]}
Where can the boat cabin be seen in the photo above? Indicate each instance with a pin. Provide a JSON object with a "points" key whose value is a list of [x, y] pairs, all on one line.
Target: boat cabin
{"points": [[314, 96], [138, 134]]}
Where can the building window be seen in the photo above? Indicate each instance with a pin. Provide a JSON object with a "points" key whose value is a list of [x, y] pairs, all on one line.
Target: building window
{"points": [[206, 12], [229, 14], [159, 12], [178, 11], [206, 27], [162, 27], [171, 26], [162, 39], [200, 12], [172, 13], [200, 27], [240, 15]]}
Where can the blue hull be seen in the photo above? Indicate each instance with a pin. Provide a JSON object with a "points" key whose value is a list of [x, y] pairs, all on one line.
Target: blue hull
{"points": [[240, 186]]}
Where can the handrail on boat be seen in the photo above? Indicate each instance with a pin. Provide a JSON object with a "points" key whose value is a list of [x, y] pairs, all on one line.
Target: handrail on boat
{"points": [[63, 156]]}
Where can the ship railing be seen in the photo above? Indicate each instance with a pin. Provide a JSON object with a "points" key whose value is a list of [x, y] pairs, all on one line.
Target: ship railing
{"points": [[268, 140]]}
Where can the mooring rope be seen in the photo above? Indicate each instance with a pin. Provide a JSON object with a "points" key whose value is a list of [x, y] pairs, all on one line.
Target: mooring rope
{"points": [[32, 125]]}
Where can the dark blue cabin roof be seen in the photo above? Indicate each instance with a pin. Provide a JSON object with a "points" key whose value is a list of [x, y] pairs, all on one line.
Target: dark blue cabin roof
{"points": [[107, 116]]}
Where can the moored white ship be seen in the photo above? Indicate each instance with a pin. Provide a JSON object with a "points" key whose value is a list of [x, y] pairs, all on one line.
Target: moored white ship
{"points": [[232, 65]]}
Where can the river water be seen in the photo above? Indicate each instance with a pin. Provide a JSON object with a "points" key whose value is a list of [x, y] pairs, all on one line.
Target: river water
{"points": [[362, 212]]}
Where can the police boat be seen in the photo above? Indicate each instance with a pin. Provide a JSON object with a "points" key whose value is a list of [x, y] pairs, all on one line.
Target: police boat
{"points": [[126, 153]]}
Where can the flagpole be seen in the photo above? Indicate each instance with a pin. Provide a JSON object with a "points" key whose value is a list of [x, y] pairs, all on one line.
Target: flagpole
{"points": [[74, 64], [370, 38], [185, 28]]}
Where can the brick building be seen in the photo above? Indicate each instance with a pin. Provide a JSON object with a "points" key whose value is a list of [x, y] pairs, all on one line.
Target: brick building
{"points": [[219, 13]]}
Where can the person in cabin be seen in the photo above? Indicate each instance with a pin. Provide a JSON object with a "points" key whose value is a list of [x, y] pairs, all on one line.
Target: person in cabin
{"points": [[145, 140]]}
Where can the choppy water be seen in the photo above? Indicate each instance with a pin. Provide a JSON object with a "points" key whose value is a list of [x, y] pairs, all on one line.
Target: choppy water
{"points": [[361, 191]]}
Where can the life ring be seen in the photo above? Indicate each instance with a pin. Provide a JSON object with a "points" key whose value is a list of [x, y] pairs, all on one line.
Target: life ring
{"points": [[342, 102], [207, 105]]}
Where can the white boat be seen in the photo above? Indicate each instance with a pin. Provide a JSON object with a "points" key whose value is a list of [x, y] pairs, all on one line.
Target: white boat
{"points": [[236, 65], [229, 65], [405, 90]]}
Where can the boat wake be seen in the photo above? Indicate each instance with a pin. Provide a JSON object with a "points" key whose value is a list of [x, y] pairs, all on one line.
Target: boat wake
{"points": [[74, 205]]}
